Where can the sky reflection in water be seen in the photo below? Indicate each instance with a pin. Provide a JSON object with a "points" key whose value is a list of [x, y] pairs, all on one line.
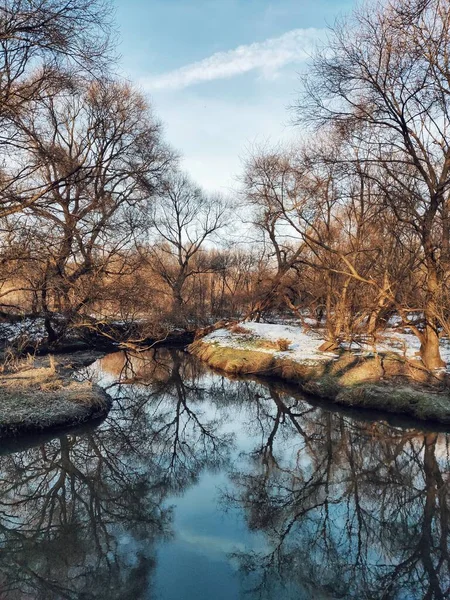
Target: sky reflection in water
{"points": [[199, 487]]}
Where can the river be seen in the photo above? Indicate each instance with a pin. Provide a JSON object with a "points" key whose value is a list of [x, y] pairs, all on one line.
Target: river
{"points": [[200, 487]]}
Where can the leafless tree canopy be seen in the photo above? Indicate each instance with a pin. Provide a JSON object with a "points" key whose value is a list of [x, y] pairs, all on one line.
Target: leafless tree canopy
{"points": [[348, 229]]}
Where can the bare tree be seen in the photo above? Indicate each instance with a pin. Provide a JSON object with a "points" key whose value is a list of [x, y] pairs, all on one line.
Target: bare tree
{"points": [[271, 183], [44, 45], [39, 39], [184, 219], [384, 78], [103, 147]]}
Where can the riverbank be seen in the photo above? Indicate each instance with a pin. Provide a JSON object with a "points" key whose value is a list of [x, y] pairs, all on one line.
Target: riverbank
{"points": [[22, 335], [41, 395], [385, 380], [38, 393]]}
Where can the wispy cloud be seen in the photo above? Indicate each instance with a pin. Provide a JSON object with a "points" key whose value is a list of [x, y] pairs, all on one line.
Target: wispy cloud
{"points": [[267, 57]]}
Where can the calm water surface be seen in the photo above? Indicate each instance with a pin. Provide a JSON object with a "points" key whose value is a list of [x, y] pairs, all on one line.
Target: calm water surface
{"points": [[199, 487]]}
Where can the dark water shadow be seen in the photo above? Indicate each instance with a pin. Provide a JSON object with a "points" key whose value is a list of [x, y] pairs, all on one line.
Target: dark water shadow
{"points": [[22, 442]]}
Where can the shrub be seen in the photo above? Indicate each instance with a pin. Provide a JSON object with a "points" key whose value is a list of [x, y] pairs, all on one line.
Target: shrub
{"points": [[283, 344]]}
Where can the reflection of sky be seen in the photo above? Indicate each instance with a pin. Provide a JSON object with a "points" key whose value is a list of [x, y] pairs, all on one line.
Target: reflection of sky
{"points": [[196, 562]]}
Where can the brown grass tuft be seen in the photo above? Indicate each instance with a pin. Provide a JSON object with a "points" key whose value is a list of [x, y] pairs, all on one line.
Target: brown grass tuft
{"points": [[239, 329], [283, 344]]}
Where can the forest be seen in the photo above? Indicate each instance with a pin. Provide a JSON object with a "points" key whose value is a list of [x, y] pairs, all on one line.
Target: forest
{"points": [[347, 230]]}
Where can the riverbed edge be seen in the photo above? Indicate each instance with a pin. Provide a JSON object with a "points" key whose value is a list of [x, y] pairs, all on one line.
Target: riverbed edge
{"points": [[383, 382], [56, 402]]}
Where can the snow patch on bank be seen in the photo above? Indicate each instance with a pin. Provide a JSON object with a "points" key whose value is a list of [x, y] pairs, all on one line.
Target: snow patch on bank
{"points": [[404, 343], [304, 345], [33, 329]]}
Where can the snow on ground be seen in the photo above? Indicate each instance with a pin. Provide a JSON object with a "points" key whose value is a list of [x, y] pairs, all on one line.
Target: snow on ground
{"points": [[304, 344], [402, 342], [31, 328]]}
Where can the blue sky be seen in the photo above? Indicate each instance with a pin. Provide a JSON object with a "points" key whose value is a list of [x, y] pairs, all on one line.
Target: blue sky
{"points": [[221, 74]]}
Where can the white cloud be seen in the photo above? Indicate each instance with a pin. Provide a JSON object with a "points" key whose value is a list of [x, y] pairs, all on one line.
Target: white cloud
{"points": [[267, 57]]}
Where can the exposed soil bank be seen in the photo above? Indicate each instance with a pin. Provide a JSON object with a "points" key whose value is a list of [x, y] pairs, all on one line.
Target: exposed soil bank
{"points": [[382, 382], [366, 415], [37, 398], [10, 444]]}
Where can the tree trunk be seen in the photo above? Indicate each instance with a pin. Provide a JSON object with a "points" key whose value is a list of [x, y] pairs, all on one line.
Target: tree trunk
{"points": [[373, 322], [330, 343], [429, 347], [178, 306]]}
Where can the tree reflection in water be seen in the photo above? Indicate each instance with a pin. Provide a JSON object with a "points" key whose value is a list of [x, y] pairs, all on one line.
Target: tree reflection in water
{"points": [[80, 515], [350, 509], [347, 508]]}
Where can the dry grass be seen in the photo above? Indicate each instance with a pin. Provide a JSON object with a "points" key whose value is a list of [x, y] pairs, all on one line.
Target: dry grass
{"points": [[238, 329], [37, 410], [30, 409], [28, 376], [14, 352], [40, 398], [281, 345], [265, 344]]}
